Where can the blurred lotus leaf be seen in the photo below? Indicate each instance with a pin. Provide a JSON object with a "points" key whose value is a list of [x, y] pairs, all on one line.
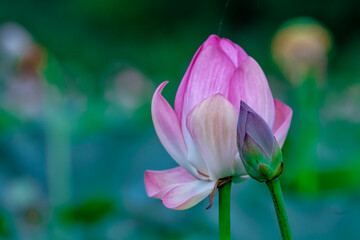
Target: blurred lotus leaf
{"points": [[4, 228], [88, 212]]}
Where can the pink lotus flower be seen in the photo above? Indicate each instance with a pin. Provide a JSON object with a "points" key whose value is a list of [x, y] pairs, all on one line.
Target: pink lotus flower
{"points": [[200, 135]]}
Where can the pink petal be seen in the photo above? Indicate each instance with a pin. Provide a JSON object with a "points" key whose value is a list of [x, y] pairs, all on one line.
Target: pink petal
{"points": [[233, 51], [282, 122], [179, 99], [187, 195], [168, 129], [212, 125], [157, 183], [249, 84], [211, 74], [212, 40]]}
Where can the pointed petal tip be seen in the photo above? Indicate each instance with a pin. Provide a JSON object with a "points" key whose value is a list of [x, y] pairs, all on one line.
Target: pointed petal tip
{"points": [[245, 107], [161, 87], [213, 36]]}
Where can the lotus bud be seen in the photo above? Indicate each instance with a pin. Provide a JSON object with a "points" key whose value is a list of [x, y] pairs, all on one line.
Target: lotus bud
{"points": [[258, 148]]}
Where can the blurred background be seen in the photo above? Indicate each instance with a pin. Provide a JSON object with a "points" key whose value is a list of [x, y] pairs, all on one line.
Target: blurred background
{"points": [[76, 135]]}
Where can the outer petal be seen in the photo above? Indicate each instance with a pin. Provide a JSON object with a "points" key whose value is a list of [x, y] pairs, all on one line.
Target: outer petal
{"points": [[179, 99], [249, 84], [187, 195], [283, 115], [157, 183], [211, 74], [168, 129], [212, 125]]}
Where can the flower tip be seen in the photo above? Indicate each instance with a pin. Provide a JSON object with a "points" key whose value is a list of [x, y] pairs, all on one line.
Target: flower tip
{"points": [[213, 37], [245, 107], [244, 111], [159, 89], [242, 103], [162, 85]]}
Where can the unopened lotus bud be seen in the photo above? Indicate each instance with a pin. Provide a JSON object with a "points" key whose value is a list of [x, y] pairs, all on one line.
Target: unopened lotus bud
{"points": [[258, 148]]}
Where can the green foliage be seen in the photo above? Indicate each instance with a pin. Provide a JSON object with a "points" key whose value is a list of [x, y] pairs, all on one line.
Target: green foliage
{"points": [[88, 212]]}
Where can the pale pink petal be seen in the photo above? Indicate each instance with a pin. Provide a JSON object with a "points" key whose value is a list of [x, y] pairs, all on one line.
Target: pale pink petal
{"points": [[249, 84], [234, 51], [168, 129], [157, 183], [194, 156], [283, 115], [212, 125], [187, 195]]}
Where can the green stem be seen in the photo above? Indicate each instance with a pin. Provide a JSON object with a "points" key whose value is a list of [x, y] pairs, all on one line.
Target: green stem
{"points": [[279, 204], [224, 211]]}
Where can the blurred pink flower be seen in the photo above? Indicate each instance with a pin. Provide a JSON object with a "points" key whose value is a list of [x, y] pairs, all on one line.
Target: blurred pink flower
{"points": [[200, 135]]}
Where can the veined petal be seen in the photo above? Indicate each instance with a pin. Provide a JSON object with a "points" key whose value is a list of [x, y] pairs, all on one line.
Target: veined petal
{"points": [[212, 125], [168, 129], [211, 74], [233, 51], [249, 84], [179, 99], [283, 115], [157, 183], [187, 195]]}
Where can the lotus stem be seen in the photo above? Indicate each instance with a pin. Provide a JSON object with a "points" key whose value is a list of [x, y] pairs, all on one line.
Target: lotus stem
{"points": [[224, 211], [279, 204]]}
